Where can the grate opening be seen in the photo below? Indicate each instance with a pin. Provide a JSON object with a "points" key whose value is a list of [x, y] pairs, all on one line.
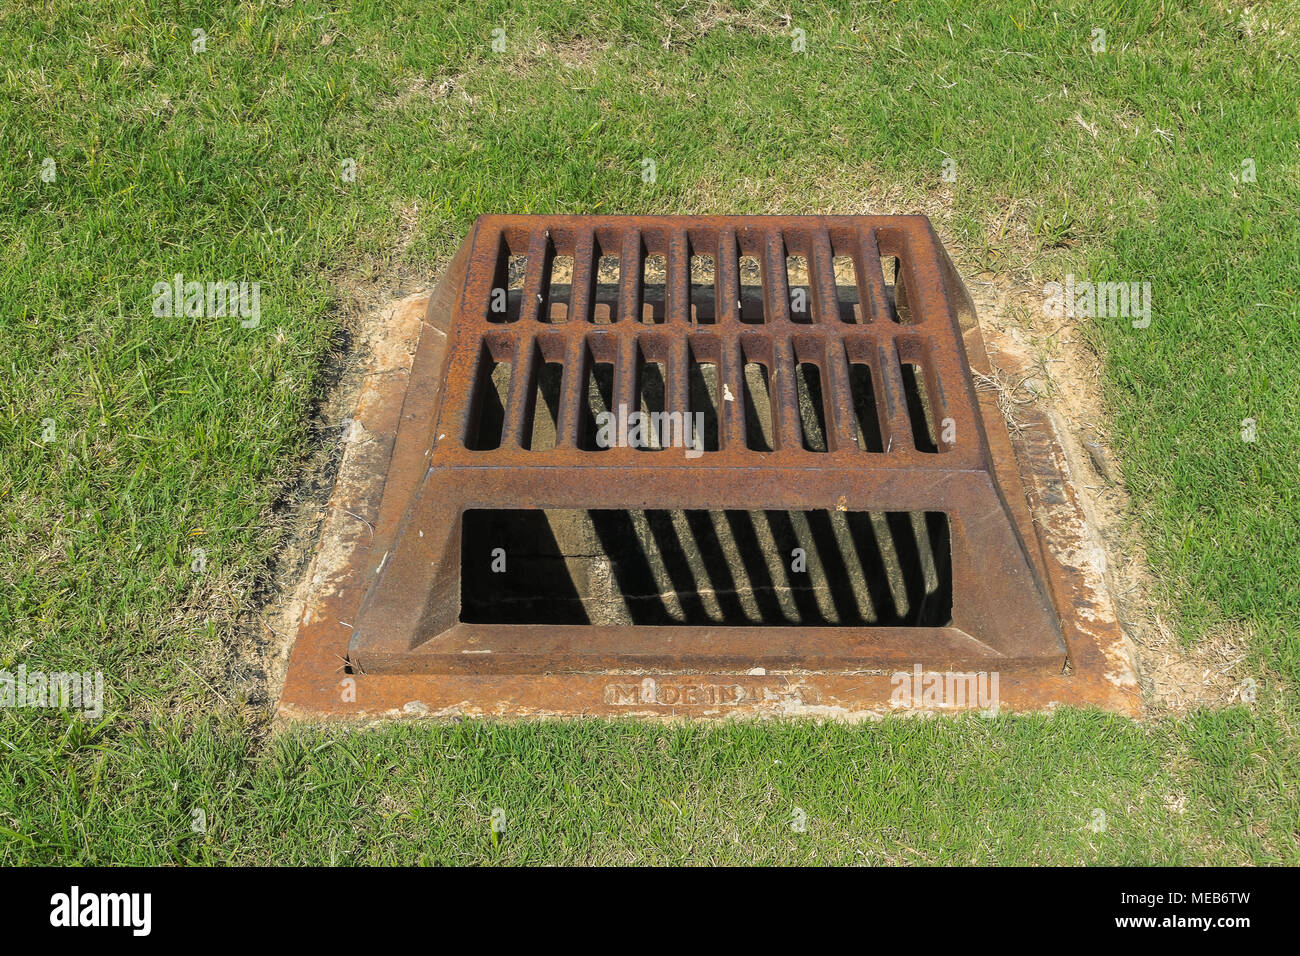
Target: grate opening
{"points": [[902, 311], [888, 284], [730, 568], [598, 424], [654, 277], [545, 417], [705, 395], [651, 389], [846, 289], [560, 289], [703, 291], [919, 409], [516, 268], [799, 283], [534, 276], [866, 415], [507, 284], [758, 408], [604, 309], [812, 409], [680, 399], [751, 304], [488, 414]]}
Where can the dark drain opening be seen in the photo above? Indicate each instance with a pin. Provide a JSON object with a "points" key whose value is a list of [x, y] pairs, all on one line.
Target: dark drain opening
{"points": [[604, 308], [546, 406], [731, 568], [654, 289], [561, 289], [702, 294], [507, 284], [651, 381], [846, 289], [812, 412], [750, 305], [919, 409], [799, 284], [866, 418], [703, 389], [484, 425], [758, 408], [599, 406]]}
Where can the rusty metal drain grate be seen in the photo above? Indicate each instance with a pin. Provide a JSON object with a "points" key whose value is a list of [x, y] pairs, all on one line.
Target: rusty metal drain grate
{"points": [[699, 443]]}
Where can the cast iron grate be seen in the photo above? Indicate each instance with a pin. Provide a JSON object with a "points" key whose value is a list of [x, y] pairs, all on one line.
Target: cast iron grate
{"points": [[704, 366]]}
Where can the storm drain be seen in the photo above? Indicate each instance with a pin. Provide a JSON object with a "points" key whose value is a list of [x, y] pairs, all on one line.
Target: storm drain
{"points": [[698, 443]]}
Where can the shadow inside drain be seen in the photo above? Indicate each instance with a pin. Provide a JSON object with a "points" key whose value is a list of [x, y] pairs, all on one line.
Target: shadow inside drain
{"points": [[733, 568]]}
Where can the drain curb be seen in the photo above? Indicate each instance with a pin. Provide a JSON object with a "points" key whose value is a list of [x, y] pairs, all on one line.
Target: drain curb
{"points": [[319, 686]]}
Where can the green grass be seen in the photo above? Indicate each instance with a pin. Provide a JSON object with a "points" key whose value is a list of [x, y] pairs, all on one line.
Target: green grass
{"points": [[171, 434], [596, 792]]}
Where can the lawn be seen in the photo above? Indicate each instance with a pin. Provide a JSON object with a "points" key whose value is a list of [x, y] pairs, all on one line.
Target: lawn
{"points": [[146, 461]]}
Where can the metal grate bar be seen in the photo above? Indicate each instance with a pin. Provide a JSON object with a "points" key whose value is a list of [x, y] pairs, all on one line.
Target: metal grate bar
{"points": [[826, 306], [583, 288], [727, 278], [540, 255], [731, 393], [776, 288], [898, 426], [625, 375], [523, 375], [573, 393], [677, 395], [839, 393], [677, 307], [789, 432], [629, 265], [871, 280]]}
